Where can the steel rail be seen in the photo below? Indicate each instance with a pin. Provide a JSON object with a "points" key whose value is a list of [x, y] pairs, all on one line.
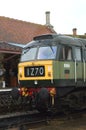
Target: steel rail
{"points": [[20, 119]]}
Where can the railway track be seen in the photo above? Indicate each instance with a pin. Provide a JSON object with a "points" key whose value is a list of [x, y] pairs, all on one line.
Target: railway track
{"points": [[21, 119], [13, 118], [15, 113], [24, 119]]}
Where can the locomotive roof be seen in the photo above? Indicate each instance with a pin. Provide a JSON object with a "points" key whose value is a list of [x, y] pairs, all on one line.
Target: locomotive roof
{"points": [[57, 38]]}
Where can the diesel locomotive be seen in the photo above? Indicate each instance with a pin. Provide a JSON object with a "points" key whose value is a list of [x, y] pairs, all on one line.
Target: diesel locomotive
{"points": [[52, 72]]}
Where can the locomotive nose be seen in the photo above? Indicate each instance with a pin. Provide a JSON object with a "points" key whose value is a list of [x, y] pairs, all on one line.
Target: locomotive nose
{"points": [[42, 99]]}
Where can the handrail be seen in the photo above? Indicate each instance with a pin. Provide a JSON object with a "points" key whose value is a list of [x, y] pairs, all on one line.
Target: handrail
{"points": [[75, 72], [84, 69]]}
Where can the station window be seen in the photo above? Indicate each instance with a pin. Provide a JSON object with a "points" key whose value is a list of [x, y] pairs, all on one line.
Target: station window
{"points": [[66, 53]]}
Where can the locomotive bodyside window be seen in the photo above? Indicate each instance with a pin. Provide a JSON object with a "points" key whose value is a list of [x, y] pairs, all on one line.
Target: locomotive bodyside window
{"points": [[66, 53], [78, 53]]}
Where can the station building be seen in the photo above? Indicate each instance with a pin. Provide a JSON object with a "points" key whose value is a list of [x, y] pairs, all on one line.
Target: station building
{"points": [[14, 34]]}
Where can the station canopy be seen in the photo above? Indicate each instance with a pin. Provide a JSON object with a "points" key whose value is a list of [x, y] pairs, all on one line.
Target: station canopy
{"points": [[11, 48], [9, 51]]}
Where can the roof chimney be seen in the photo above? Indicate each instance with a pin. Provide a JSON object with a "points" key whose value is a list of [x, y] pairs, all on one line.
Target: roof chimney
{"points": [[74, 31], [48, 18], [48, 22]]}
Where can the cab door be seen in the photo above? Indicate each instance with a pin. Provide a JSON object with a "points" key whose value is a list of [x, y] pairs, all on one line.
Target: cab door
{"points": [[66, 65], [78, 65]]}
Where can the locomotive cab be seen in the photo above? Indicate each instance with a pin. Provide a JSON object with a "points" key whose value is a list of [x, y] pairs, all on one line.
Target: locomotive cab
{"points": [[36, 69]]}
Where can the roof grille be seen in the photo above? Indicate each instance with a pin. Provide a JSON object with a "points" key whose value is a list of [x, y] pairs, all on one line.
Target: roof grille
{"points": [[42, 37]]}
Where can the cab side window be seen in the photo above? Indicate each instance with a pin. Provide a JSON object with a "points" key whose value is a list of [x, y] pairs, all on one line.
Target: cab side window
{"points": [[66, 53], [85, 55], [78, 53]]}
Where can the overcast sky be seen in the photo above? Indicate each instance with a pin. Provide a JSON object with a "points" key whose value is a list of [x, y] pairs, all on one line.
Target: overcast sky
{"points": [[64, 14]]}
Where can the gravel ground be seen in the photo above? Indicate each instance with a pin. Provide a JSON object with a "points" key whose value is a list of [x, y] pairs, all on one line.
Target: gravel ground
{"points": [[78, 123], [71, 124]]}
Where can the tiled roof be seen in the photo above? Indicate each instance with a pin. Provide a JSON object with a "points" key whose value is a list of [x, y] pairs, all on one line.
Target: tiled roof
{"points": [[17, 31]]}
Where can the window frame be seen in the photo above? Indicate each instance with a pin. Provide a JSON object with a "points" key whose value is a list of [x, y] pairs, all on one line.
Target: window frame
{"points": [[75, 58], [64, 46]]}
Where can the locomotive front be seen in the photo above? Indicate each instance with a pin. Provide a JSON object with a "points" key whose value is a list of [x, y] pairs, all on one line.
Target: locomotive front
{"points": [[35, 72]]}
